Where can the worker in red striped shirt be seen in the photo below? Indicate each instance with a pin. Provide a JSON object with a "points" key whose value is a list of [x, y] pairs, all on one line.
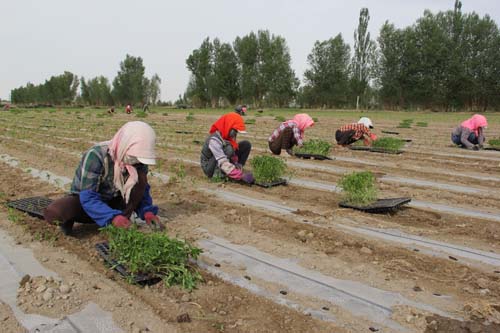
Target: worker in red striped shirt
{"points": [[350, 133]]}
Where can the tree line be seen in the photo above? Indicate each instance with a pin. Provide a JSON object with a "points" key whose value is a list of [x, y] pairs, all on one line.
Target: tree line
{"points": [[130, 86], [444, 61]]}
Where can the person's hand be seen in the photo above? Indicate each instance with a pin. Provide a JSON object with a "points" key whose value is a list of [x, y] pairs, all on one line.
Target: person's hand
{"points": [[238, 166], [121, 221], [480, 146], [373, 137], [234, 159], [290, 152], [248, 178], [475, 148], [153, 221]]}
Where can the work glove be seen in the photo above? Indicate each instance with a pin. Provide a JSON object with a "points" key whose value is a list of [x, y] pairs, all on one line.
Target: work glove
{"points": [[248, 178], [475, 148], [235, 174], [373, 137], [238, 166], [121, 221], [153, 221]]}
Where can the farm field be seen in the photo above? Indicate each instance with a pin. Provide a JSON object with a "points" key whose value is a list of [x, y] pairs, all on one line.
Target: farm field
{"points": [[284, 259]]}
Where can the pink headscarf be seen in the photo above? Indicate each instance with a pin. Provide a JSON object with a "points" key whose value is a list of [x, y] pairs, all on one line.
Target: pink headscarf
{"points": [[303, 121], [134, 139], [475, 122]]}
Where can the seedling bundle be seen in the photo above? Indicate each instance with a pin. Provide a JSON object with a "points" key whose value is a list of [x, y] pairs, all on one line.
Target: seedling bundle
{"points": [[316, 147], [153, 254], [268, 170], [494, 144], [406, 123], [360, 192], [422, 124], [280, 118], [389, 144]]}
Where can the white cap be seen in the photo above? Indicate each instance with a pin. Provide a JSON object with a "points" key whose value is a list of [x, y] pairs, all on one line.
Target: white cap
{"points": [[241, 131], [365, 121], [147, 161]]}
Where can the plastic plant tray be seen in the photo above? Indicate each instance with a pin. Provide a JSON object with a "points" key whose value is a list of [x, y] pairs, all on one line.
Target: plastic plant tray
{"points": [[34, 206], [492, 148], [312, 156], [380, 206], [376, 150], [272, 184], [183, 132], [103, 250], [390, 132]]}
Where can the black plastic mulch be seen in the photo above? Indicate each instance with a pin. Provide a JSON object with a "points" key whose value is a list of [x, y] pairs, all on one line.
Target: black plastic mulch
{"points": [[376, 150], [272, 184], [312, 156], [492, 148], [34, 206]]}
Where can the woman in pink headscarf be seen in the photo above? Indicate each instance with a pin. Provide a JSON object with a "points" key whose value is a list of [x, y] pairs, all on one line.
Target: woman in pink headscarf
{"points": [[290, 133], [110, 183], [470, 133]]}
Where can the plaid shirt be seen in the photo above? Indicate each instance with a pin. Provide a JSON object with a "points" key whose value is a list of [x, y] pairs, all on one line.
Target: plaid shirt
{"points": [[291, 124], [359, 128], [96, 172]]}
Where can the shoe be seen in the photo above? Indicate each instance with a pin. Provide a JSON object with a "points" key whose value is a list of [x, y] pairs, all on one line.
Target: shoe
{"points": [[67, 227]]}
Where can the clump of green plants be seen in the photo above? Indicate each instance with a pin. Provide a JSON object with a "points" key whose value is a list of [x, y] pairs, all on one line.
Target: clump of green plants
{"points": [[358, 188], [389, 144], [405, 123], [190, 116], [250, 121], [165, 114], [141, 114], [494, 142], [268, 169], [154, 254], [280, 118], [315, 147], [422, 124], [315, 119]]}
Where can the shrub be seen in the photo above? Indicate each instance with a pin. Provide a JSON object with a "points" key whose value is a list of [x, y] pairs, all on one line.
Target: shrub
{"points": [[494, 142], [268, 169], [390, 144], [315, 147], [359, 188], [155, 254], [280, 118]]}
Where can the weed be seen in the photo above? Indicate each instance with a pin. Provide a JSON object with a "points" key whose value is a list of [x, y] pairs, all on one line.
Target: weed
{"points": [[390, 144], [13, 215], [180, 172], [422, 124], [155, 254], [280, 118], [316, 147], [268, 169], [359, 188]]}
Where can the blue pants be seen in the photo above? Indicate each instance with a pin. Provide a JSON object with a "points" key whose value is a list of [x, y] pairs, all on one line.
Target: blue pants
{"points": [[472, 139]]}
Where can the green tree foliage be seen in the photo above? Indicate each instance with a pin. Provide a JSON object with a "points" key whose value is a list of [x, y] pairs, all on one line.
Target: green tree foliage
{"points": [[200, 65], [59, 90], [328, 75], [153, 89], [364, 57], [130, 84], [96, 91], [225, 73]]}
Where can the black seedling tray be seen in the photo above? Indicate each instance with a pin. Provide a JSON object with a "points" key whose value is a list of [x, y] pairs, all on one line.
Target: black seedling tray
{"points": [[380, 206], [183, 132], [390, 132], [34, 206], [492, 148], [376, 150], [313, 156], [275, 183], [103, 250]]}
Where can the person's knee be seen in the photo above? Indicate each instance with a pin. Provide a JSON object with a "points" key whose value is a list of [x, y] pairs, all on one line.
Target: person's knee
{"points": [[52, 213], [244, 145]]}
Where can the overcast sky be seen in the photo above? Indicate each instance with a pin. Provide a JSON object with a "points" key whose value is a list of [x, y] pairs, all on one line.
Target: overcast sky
{"points": [[40, 38]]}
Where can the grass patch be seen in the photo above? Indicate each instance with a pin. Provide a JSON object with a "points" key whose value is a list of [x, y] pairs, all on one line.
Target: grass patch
{"points": [[250, 121], [268, 169], [155, 254], [494, 142], [422, 124], [359, 188], [141, 114], [280, 118], [316, 147], [390, 144]]}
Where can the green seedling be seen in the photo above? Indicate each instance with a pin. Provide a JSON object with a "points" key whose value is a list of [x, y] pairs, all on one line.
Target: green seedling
{"points": [[280, 118], [389, 144], [315, 119], [250, 121], [155, 254], [141, 114], [315, 147], [268, 169], [358, 188], [494, 142], [13, 215], [422, 124], [190, 117]]}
